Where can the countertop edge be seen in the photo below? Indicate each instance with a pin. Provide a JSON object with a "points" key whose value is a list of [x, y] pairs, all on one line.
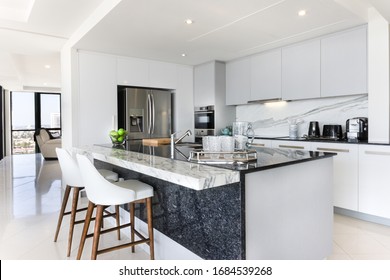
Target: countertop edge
{"points": [[301, 139], [191, 175]]}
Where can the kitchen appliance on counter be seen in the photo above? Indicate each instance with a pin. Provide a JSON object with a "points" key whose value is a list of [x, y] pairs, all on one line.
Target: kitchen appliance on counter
{"points": [[146, 113], [314, 130], [204, 122], [357, 129], [332, 131]]}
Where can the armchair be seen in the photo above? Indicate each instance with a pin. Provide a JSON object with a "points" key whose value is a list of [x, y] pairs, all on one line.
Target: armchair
{"points": [[47, 143]]}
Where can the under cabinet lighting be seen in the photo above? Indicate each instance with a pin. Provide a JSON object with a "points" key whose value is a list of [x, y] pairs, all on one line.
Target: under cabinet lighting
{"points": [[276, 104]]}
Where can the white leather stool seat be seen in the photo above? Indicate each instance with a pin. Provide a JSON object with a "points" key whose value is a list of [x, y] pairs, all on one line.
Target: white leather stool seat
{"points": [[141, 190], [109, 175]]}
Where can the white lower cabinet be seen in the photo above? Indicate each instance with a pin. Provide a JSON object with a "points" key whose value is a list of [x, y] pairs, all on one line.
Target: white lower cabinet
{"points": [[374, 180], [292, 145], [262, 143], [345, 173]]}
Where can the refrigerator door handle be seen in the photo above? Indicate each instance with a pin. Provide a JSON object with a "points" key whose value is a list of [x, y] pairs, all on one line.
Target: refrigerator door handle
{"points": [[149, 109], [153, 113]]}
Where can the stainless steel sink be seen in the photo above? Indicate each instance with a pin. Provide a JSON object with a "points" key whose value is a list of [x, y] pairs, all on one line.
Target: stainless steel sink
{"points": [[189, 144]]}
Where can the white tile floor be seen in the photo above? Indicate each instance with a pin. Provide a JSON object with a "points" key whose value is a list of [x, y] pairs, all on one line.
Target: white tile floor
{"points": [[30, 198]]}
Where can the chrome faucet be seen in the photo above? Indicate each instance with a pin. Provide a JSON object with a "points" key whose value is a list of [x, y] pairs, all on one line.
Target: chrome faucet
{"points": [[173, 142]]}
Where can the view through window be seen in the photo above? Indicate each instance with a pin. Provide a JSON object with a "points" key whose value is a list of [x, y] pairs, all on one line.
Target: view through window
{"points": [[31, 111]]}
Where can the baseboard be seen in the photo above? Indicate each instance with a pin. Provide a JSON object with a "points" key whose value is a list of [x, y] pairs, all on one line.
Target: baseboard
{"points": [[362, 216]]}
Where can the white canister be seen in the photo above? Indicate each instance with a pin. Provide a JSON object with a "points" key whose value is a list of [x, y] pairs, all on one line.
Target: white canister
{"points": [[215, 146], [227, 145], [293, 131]]}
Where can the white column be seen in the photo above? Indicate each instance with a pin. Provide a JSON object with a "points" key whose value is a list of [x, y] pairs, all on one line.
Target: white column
{"points": [[69, 97], [378, 77]]}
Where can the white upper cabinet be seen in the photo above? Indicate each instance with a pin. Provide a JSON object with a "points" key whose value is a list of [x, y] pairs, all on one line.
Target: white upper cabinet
{"points": [[132, 72], [238, 81], [146, 73], [204, 84], [162, 75], [266, 75], [344, 63], [301, 70]]}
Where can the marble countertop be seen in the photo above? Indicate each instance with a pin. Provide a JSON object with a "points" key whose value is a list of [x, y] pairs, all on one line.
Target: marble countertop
{"points": [[191, 175], [156, 162]]}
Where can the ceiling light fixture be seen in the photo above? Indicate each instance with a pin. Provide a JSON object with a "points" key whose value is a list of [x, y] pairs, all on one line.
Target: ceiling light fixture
{"points": [[183, 54], [302, 13], [189, 21], [47, 66]]}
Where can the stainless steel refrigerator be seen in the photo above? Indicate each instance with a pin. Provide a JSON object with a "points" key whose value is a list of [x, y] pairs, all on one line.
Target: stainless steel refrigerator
{"points": [[148, 113]]}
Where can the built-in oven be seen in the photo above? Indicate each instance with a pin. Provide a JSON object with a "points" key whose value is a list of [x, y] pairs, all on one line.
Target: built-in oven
{"points": [[204, 122]]}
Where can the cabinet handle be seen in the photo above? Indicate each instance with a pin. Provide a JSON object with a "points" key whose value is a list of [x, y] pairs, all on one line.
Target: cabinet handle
{"points": [[377, 153], [291, 147], [333, 150], [257, 145]]}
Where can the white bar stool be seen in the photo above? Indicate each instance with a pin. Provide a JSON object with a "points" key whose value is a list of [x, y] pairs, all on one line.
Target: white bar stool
{"points": [[102, 193], [72, 178]]}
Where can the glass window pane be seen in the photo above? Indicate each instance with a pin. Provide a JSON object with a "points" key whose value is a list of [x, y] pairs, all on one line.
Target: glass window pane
{"points": [[23, 110], [50, 111]]}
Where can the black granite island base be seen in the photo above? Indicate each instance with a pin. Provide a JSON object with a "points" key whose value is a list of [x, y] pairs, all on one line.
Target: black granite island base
{"points": [[209, 223]]}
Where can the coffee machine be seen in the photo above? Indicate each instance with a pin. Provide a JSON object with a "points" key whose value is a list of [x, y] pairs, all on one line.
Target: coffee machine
{"points": [[357, 129]]}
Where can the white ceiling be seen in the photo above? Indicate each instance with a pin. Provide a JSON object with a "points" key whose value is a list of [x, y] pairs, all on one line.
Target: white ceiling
{"points": [[155, 29], [26, 47]]}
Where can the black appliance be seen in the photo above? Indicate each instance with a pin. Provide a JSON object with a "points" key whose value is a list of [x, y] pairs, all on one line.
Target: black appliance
{"points": [[204, 122], [314, 130], [357, 129], [332, 131]]}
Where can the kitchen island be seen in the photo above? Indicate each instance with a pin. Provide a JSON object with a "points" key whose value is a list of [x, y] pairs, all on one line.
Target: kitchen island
{"points": [[276, 207]]}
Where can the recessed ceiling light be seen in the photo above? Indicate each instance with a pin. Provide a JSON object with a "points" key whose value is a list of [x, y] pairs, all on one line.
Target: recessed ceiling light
{"points": [[183, 54], [302, 13], [47, 66], [45, 84], [189, 21]]}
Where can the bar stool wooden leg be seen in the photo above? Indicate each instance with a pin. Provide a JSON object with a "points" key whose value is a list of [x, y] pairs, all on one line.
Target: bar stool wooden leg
{"points": [[76, 192], [96, 234], [117, 221], [150, 226], [87, 222], [62, 211], [132, 209]]}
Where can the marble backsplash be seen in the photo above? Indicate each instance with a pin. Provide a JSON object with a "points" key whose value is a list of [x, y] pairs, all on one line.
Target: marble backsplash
{"points": [[272, 119]]}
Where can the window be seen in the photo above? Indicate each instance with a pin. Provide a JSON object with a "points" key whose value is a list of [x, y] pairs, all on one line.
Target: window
{"points": [[29, 112], [23, 122]]}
